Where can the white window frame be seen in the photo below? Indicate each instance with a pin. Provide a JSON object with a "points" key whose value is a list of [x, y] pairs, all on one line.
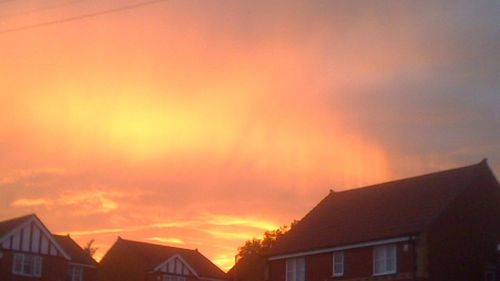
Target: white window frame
{"points": [[387, 257], [490, 275], [338, 259], [27, 265], [296, 269], [77, 273]]}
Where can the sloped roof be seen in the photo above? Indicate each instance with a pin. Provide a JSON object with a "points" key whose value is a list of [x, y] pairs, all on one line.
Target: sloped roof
{"points": [[8, 225], [249, 268], [12, 224], [386, 210], [74, 250], [152, 255]]}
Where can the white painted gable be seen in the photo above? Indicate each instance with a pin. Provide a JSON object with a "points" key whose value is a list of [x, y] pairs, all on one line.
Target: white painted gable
{"points": [[32, 237], [176, 265]]}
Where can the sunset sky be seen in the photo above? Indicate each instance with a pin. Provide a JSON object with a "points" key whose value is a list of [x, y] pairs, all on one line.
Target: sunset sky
{"points": [[204, 123]]}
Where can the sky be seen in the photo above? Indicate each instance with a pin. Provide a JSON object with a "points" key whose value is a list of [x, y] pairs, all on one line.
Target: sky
{"points": [[202, 124]]}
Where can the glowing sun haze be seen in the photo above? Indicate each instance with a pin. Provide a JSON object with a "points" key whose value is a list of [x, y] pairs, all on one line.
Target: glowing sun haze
{"points": [[201, 124]]}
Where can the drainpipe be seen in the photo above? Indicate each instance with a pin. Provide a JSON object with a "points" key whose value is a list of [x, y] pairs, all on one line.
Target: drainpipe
{"points": [[415, 266]]}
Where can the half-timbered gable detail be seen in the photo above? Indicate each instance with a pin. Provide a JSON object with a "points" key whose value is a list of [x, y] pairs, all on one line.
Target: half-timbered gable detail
{"points": [[31, 236], [439, 226], [28, 251], [176, 265], [137, 261]]}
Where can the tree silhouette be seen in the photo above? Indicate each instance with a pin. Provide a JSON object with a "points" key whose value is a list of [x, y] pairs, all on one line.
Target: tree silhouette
{"points": [[250, 260], [262, 246], [90, 248]]}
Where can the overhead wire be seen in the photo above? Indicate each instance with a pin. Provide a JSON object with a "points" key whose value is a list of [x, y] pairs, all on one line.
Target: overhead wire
{"points": [[80, 17], [44, 8]]}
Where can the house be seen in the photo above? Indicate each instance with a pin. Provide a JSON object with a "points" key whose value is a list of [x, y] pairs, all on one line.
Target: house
{"points": [[249, 268], [129, 260], [439, 226], [29, 252]]}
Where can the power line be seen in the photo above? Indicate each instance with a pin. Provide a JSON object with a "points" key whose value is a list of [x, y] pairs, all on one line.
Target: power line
{"points": [[80, 17], [49, 7], [6, 1]]}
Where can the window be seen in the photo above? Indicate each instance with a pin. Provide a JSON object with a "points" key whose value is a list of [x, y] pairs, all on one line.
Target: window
{"points": [[338, 263], [489, 276], [173, 278], [28, 265], [296, 269], [384, 259], [76, 273]]}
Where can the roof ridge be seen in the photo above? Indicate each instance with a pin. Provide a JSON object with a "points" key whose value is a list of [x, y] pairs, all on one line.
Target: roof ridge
{"points": [[336, 212], [382, 184], [8, 225], [156, 244], [19, 217], [134, 245], [330, 193]]}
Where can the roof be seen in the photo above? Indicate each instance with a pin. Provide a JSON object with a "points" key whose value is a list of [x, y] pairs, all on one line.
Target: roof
{"points": [[152, 255], [68, 246], [8, 225], [251, 267], [387, 210], [77, 254]]}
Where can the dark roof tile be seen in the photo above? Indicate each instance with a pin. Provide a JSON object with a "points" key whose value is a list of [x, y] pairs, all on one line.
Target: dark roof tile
{"points": [[151, 255], [385, 210], [74, 250], [8, 225]]}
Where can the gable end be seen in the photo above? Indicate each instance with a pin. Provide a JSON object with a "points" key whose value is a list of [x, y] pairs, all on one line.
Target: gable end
{"points": [[32, 237], [176, 265]]}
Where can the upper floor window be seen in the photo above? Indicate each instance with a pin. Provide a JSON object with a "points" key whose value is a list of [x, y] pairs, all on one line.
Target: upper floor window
{"points": [[28, 265], [338, 264], [76, 273], [489, 275], [296, 269], [384, 259]]}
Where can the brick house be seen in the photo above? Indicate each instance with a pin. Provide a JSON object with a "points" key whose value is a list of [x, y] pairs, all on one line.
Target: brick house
{"points": [[439, 226], [129, 260], [29, 252]]}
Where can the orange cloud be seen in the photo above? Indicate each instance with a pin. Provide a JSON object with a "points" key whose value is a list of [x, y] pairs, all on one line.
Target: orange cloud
{"points": [[17, 175], [176, 224], [224, 261], [88, 202], [167, 240], [226, 220], [240, 236], [31, 202], [96, 231]]}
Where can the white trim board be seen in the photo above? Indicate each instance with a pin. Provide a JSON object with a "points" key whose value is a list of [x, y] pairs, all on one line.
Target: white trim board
{"points": [[158, 267], [34, 219], [340, 248]]}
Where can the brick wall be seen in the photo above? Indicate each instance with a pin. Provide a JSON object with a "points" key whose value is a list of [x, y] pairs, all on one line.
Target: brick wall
{"points": [[358, 265]]}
